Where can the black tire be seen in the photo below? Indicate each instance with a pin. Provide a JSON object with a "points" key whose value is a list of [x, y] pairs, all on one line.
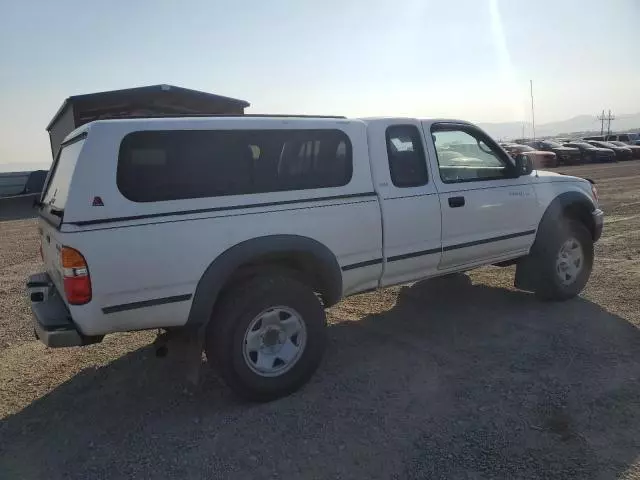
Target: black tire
{"points": [[234, 313], [546, 282]]}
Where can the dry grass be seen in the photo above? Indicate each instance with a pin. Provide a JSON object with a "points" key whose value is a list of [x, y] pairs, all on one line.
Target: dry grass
{"points": [[457, 378]]}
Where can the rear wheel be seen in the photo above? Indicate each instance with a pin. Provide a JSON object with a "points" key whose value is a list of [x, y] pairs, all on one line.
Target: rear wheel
{"points": [[267, 337]]}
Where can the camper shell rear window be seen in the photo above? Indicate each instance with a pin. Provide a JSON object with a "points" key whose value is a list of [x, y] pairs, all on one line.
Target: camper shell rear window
{"points": [[56, 190]]}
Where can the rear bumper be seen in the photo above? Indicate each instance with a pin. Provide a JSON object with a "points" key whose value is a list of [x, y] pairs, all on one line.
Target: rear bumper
{"points": [[549, 161], [605, 157], [569, 158], [52, 320], [598, 221]]}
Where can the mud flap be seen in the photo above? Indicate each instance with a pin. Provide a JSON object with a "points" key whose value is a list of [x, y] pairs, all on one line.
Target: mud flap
{"points": [[186, 347], [526, 272]]}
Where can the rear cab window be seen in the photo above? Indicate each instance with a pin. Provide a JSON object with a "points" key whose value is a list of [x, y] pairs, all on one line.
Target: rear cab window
{"points": [[407, 162], [56, 191]]}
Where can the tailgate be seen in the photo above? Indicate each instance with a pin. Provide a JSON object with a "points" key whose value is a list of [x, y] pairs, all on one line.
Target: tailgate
{"points": [[49, 238], [53, 204]]}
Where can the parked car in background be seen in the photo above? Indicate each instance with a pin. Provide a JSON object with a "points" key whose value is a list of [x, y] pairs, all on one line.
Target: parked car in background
{"points": [[635, 149], [539, 158], [599, 138], [627, 138], [622, 153], [591, 153], [12, 183], [565, 155], [21, 183]]}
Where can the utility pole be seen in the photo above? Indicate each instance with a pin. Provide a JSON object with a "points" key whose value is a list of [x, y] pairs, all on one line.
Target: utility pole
{"points": [[533, 116], [609, 118], [601, 118]]}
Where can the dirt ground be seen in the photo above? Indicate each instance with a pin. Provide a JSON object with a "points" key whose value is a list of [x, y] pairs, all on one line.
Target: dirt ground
{"points": [[457, 378]]}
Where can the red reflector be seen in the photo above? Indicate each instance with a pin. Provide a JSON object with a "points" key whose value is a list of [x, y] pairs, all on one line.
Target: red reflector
{"points": [[77, 290]]}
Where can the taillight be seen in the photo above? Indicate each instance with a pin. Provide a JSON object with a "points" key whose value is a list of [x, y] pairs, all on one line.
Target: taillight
{"points": [[75, 271], [594, 192]]}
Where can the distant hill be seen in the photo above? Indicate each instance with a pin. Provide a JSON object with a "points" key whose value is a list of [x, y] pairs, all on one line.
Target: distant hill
{"points": [[500, 131], [24, 166], [581, 123]]}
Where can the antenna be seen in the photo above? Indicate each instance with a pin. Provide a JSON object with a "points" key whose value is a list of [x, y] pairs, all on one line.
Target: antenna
{"points": [[533, 116]]}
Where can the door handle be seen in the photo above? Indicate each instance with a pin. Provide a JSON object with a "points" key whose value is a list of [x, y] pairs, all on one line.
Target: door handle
{"points": [[455, 202]]}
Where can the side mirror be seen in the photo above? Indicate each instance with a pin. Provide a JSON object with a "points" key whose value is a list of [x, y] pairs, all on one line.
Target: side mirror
{"points": [[524, 165]]}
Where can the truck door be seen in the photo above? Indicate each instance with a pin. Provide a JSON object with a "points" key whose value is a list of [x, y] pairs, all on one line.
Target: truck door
{"points": [[488, 213], [409, 201]]}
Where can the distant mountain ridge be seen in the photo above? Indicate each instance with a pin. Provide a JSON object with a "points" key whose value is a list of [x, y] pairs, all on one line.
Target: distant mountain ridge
{"points": [[24, 166], [500, 131], [581, 123]]}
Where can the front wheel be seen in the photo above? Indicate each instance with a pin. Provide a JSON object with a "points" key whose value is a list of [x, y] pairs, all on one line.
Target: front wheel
{"points": [[563, 260], [267, 337]]}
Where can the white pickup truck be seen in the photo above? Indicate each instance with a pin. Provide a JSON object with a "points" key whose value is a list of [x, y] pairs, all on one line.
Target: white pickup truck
{"points": [[240, 231]]}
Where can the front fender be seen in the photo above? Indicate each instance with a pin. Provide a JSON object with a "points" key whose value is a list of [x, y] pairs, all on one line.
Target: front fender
{"points": [[576, 203]]}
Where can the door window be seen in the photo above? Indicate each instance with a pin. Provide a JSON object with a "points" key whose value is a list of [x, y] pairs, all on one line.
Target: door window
{"points": [[467, 155]]}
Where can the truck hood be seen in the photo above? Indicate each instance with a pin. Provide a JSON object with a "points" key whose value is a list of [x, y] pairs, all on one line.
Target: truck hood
{"points": [[543, 176], [554, 176], [546, 173]]}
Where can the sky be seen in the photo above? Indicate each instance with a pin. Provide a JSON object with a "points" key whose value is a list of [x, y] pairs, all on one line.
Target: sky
{"points": [[468, 59]]}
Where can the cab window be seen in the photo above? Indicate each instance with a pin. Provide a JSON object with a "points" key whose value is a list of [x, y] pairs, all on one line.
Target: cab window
{"points": [[407, 162]]}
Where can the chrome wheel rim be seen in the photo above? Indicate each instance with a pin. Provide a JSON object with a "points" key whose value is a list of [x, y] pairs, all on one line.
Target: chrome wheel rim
{"points": [[274, 341], [570, 261]]}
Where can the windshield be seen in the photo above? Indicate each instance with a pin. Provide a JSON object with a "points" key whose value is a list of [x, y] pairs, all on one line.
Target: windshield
{"points": [[580, 144], [523, 148], [551, 144], [57, 189]]}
